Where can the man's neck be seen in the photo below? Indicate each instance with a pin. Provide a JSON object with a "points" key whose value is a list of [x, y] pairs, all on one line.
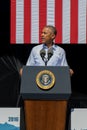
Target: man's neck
{"points": [[49, 44]]}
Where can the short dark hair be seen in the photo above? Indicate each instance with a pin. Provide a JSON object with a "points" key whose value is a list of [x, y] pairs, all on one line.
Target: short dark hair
{"points": [[52, 28]]}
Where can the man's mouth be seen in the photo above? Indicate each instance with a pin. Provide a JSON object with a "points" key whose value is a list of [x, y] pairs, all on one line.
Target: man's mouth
{"points": [[42, 38]]}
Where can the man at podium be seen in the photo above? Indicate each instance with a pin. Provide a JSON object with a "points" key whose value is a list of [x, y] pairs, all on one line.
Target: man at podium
{"points": [[46, 110], [47, 53]]}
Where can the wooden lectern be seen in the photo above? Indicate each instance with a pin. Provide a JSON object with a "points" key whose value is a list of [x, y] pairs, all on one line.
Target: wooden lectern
{"points": [[45, 109]]}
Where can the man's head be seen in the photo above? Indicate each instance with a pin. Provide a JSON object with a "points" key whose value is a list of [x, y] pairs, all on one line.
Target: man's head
{"points": [[48, 34]]}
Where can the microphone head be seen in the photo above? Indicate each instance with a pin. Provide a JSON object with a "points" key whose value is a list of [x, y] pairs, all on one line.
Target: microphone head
{"points": [[42, 53], [50, 53]]}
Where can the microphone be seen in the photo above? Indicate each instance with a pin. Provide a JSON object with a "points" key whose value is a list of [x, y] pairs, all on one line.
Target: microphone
{"points": [[42, 54], [50, 53]]}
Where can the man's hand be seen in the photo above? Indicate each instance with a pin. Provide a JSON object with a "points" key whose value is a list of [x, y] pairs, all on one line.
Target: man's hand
{"points": [[20, 72], [71, 72]]}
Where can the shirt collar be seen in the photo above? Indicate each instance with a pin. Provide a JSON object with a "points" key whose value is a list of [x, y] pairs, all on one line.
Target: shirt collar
{"points": [[53, 46]]}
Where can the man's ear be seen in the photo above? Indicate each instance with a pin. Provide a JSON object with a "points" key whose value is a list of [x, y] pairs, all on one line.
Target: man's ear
{"points": [[53, 36]]}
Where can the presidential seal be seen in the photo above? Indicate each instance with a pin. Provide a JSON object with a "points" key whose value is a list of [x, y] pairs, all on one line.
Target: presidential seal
{"points": [[45, 79]]}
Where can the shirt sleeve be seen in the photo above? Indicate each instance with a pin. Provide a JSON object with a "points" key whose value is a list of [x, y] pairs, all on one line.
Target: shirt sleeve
{"points": [[64, 60], [30, 61]]}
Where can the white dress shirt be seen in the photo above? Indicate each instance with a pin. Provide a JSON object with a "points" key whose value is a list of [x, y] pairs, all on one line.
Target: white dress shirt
{"points": [[58, 58]]}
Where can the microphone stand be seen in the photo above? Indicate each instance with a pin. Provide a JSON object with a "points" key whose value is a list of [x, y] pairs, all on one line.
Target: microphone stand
{"points": [[45, 61]]}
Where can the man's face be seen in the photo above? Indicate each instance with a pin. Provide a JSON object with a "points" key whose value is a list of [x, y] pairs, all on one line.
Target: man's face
{"points": [[47, 35]]}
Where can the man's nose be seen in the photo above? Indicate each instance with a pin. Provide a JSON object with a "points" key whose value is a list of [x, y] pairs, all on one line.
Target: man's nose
{"points": [[42, 34]]}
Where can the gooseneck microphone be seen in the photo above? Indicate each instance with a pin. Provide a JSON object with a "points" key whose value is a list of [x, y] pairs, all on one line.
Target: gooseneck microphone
{"points": [[50, 53], [42, 54]]}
